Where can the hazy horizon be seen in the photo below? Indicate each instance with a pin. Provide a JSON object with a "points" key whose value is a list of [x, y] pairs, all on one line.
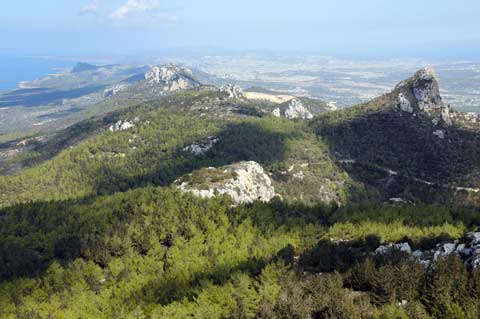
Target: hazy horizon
{"points": [[366, 29]]}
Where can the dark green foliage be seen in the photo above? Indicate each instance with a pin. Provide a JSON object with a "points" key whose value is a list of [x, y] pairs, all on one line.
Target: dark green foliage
{"points": [[154, 251], [380, 139], [317, 296]]}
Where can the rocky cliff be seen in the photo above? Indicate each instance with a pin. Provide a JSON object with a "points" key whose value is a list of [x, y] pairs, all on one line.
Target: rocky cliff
{"points": [[420, 95]]}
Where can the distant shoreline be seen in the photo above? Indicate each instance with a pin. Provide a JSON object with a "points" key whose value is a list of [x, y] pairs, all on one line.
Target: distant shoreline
{"points": [[16, 71]]}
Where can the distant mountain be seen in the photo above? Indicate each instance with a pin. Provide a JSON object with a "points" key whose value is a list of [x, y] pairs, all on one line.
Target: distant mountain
{"points": [[82, 67], [59, 100]]}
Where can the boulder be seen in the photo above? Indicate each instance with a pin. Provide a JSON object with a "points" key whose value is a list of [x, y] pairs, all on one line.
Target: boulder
{"points": [[444, 250], [474, 238], [405, 247], [383, 249], [469, 251]]}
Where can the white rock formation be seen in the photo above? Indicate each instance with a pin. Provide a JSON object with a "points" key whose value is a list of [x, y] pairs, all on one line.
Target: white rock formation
{"points": [[121, 126], [404, 104], [171, 77], [469, 251], [202, 147], [440, 134], [244, 182], [426, 89], [276, 112], [420, 94], [332, 106], [383, 249], [234, 91], [296, 110], [299, 175]]}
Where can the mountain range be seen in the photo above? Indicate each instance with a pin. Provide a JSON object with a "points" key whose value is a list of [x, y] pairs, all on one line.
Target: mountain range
{"points": [[407, 144], [171, 197]]}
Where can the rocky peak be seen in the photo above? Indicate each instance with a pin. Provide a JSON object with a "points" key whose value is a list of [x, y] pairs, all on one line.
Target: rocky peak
{"points": [[171, 77], [420, 94]]}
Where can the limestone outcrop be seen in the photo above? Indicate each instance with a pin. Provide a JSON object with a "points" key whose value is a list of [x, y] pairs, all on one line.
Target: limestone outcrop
{"points": [[293, 110], [296, 110], [244, 182], [469, 250], [121, 126], [233, 91], [171, 78], [202, 147], [420, 95]]}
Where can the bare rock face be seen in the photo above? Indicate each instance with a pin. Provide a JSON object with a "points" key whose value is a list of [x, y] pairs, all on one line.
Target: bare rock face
{"points": [[404, 104], [420, 94], [233, 91], [121, 126], [171, 78], [296, 110], [244, 182], [201, 148]]}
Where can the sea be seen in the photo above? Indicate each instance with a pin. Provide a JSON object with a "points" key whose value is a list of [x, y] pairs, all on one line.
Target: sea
{"points": [[15, 69]]}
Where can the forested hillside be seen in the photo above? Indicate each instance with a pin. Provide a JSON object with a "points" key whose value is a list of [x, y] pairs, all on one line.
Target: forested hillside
{"points": [[154, 252], [373, 213], [152, 152]]}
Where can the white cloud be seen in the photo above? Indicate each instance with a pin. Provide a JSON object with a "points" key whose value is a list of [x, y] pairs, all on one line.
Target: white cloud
{"points": [[136, 7], [91, 8]]}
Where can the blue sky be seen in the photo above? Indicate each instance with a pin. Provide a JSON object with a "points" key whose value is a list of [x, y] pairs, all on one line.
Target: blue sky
{"points": [[375, 28]]}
